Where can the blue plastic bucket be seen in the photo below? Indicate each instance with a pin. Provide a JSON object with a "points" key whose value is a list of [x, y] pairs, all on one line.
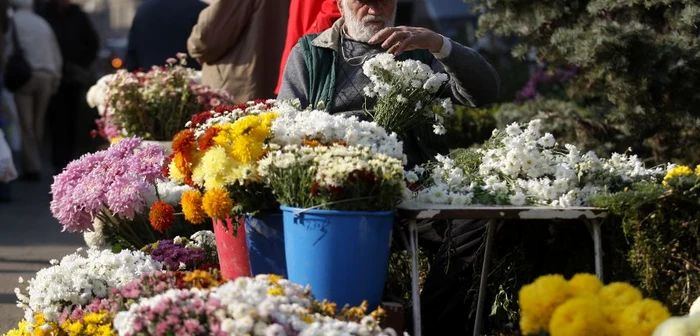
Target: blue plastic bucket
{"points": [[265, 236], [342, 255]]}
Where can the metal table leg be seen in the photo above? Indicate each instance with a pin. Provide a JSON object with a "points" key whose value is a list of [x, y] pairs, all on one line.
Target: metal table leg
{"points": [[598, 248], [413, 242], [490, 233]]}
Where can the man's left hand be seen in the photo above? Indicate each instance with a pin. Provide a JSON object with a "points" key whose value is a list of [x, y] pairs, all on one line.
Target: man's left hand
{"points": [[402, 38]]}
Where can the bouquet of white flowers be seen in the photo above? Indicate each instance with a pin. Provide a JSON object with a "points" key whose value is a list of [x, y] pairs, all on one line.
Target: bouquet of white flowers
{"points": [[408, 94], [522, 166]]}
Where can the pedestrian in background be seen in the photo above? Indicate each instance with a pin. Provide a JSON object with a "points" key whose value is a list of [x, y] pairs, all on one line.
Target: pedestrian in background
{"points": [[79, 43], [237, 42], [306, 17], [160, 30], [38, 43], [5, 191]]}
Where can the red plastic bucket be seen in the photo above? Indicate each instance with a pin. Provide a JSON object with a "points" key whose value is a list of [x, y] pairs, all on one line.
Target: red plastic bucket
{"points": [[233, 251]]}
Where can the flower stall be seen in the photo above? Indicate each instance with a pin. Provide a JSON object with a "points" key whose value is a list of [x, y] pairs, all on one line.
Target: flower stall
{"points": [[269, 218]]}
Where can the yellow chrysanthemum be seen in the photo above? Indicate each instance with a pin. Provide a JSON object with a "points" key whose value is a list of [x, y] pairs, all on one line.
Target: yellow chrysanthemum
{"points": [[191, 202], [585, 284], [115, 140], [217, 204], [274, 278], [538, 301], [641, 318], [201, 279], [677, 171], [275, 291], [214, 166], [175, 174], [21, 329], [697, 170], [580, 316], [619, 294]]}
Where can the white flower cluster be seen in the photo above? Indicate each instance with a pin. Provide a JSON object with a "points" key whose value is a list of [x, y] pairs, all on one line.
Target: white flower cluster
{"points": [[398, 83], [169, 192], [688, 325], [79, 278], [203, 239], [97, 94], [292, 127], [410, 74], [333, 164], [250, 306], [527, 167], [229, 116]]}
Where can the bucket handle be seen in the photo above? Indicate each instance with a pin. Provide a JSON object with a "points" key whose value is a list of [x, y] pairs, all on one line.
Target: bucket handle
{"points": [[299, 212]]}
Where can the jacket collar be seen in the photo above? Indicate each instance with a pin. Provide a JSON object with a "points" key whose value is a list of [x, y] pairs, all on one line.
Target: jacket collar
{"points": [[330, 38]]}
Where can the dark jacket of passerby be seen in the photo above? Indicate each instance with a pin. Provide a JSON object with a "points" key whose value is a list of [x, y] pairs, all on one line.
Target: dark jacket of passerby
{"points": [[4, 24], [160, 30], [77, 38], [239, 44]]}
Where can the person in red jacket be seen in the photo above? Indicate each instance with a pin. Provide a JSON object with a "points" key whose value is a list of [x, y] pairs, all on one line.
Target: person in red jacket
{"points": [[306, 17]]}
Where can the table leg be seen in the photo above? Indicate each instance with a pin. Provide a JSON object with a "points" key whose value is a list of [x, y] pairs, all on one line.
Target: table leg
{"points": [[413, 242], [598, 248], [488, 250]]}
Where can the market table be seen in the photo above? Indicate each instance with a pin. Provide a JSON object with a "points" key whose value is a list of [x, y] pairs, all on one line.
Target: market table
{"points": [[420, 214]]}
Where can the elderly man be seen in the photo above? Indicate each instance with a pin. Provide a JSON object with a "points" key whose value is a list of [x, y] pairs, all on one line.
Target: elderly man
{"points": [[327, 68]]}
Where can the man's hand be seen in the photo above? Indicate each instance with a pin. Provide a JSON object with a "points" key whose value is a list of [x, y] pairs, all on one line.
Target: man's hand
{"points": [[402, 38]]}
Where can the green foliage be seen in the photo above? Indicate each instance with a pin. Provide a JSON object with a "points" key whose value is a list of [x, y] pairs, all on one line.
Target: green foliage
{"points": [[662, 225], [470, 126], [638, 60]]}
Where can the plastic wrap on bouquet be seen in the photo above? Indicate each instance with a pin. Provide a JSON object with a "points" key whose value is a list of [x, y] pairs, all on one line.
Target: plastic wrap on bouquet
{"points": [[342, 255], [232, 250]]}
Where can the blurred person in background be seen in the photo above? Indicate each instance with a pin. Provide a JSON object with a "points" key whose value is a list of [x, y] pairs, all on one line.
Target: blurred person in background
{"points": [[306, 17], [5, 192], [160, 30], [79, 44], [41, 51], [239, 43]]}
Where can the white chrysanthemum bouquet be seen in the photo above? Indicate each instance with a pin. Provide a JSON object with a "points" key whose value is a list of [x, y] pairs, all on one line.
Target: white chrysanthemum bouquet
{"points": [[408, 94], [333, 162], [521, 166]]}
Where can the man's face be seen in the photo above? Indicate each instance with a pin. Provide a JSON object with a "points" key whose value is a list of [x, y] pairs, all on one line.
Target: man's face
{"points": [[364, 18]]}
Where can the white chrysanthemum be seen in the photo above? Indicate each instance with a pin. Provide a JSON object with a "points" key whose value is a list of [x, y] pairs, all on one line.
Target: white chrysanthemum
{"points": [[79, 278]]}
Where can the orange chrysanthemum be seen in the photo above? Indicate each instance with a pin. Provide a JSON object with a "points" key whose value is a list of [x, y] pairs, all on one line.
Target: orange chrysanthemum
{"points": [[206, 141], [311, 143], [184, 141], [161, 216], [217, 204], [191, 202], [182, 164]]}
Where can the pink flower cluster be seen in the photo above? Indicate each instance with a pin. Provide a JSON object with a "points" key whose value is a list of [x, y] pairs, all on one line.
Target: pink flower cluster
{"points": [[115, 179], [178, 312]]}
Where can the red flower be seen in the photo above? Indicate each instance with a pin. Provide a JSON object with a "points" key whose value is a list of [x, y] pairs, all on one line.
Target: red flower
{"points": [[161, 216], [165, 170], [200, 118], [314, 189]]}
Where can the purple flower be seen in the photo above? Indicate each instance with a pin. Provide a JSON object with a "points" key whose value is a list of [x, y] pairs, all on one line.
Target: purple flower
{"points": [[116, 178], [172, 254]]}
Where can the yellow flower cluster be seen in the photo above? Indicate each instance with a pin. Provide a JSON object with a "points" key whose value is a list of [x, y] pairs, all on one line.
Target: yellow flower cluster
{"points": [[225, 156], [39, 327], [680, 171], [99, 324], [245, 138], [583, 306]]}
